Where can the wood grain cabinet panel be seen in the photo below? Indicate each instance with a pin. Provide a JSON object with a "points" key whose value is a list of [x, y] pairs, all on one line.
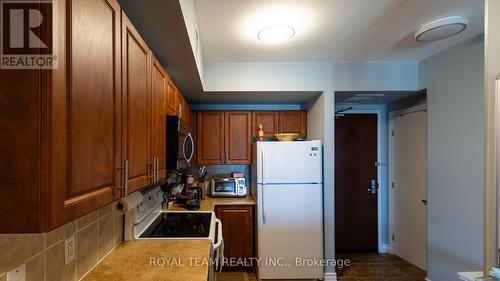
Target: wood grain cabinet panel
{"points": [[159, 94], [269, 121], [136, 89], [63, 161], [210, 137], [238, 231], [293, 121], [85, 113], [237, 136], [173, 103]]}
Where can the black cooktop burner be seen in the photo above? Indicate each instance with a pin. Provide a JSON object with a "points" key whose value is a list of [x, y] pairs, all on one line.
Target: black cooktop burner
{"points": [[179, 225]]}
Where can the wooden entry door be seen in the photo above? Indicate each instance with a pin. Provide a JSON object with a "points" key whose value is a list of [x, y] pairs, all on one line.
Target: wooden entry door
{"points": [[356, 218]]}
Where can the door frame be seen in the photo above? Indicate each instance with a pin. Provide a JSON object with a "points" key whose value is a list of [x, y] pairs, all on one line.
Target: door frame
{"points": [[390, 158], [381, 191]]}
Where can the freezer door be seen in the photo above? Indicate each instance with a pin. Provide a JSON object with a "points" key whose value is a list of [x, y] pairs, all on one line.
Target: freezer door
{"points": [[289, 231], [289, 162]]}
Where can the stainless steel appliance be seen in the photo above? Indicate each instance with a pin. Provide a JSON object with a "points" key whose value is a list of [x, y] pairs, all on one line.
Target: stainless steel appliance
{"points": [[221, 186], [148, 221], [180, 143]]}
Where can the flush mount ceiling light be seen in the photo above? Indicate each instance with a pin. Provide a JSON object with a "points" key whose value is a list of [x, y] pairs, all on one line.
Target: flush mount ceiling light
{"points": [[441, 28], [276, 34]]}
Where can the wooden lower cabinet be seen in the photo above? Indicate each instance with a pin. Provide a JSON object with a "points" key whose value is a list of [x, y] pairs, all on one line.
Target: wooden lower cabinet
{"points": [[238, 232]]}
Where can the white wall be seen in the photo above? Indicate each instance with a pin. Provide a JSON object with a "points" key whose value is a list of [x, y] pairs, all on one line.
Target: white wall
{"points": [[297, 76], [455, 85], [492, 66], [189, 13], [320, 126]]}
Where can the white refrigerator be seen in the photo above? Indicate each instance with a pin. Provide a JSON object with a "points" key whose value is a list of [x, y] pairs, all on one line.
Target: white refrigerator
{"points": [[287, 181]]}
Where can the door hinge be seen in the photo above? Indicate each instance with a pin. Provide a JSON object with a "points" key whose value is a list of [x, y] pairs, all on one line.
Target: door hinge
{"points": [[392, 133], [392, 185], [393, 238]]}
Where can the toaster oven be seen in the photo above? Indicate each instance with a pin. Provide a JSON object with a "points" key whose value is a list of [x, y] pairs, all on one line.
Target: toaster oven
{"points": [[228, 187]]}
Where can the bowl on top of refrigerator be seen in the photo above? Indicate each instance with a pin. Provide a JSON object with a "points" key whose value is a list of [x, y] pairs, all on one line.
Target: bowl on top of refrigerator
{"points": [[287, 136]]}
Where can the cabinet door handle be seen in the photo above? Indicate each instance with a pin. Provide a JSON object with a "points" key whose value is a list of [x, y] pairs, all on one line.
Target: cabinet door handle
{"points": [[124, 177], [151, 170]]}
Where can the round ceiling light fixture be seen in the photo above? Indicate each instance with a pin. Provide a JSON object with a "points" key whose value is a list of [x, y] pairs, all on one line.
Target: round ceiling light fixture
{"points": [[276, 34], [441, 28]]}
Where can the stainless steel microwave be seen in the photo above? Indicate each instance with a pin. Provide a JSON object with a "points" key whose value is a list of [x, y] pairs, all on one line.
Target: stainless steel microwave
{"points": [[228, 187], [180, 143]]}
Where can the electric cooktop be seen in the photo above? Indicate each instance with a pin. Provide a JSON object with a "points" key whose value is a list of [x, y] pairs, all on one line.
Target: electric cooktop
{"points": [[182, 224]]}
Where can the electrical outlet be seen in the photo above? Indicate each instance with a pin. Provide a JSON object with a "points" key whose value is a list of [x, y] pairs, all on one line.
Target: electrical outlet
{"points": [[69, 250], [17, 274]]}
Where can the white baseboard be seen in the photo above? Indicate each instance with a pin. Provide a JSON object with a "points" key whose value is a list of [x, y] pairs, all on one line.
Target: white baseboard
{"points": [[427, 279], [385, 248], [330, 276]]}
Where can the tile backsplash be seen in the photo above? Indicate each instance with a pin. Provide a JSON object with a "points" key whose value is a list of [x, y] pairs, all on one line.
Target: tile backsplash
{"points": [[220, 169], [96, 234]]}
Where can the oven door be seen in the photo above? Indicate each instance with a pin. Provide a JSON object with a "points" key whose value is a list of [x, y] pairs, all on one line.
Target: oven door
{"points": [[224, 187], [186, 146]]}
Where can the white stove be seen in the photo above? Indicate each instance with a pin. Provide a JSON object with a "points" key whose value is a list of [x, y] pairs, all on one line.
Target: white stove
{"points": [[148, 221]]}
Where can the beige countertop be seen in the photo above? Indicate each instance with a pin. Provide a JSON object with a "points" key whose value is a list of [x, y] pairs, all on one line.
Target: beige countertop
{"points": [[209, 203], [155, 260]]}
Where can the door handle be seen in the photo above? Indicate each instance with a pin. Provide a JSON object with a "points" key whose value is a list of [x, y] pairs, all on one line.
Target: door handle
{"points": [[424, 202], [373, 187]]}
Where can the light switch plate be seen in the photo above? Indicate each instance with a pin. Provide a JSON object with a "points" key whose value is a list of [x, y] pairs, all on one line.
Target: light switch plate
{"points": [[69, 250], [17, 274]]}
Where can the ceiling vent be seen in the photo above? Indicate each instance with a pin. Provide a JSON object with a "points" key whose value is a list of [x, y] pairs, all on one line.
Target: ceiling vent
{"points": [[441, 28]]}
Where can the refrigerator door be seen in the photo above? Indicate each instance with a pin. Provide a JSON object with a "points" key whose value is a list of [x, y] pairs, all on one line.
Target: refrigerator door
{"points": [[289, 162], [289, 231]]}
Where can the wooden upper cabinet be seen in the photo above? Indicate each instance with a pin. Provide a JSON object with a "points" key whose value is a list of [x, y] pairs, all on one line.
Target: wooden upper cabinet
{"points": [[269, 121], [159, 96], [137, 98], [61, 156], [210, 137], [85, 113], [238, 149], [293, 121], [172, 102]]}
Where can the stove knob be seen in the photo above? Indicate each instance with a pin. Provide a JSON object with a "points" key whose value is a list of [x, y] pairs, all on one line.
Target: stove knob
{"points": [[141, 208]]}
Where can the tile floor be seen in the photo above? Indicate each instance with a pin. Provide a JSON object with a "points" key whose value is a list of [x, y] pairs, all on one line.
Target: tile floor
{"points": [[378, 267], [364, 267], [236, 276]]}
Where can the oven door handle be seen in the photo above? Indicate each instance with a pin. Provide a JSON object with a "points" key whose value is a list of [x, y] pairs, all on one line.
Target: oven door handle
{"points": [[219, 246], [219, 232], [188, 159]]}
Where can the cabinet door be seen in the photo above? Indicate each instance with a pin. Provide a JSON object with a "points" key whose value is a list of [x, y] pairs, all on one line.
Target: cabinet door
{"points": [[172, 107], [159, 115], [238, 231], [269, 121], [293, 121], [84, 146], [237, 137], [210, 137], [136, 89]]}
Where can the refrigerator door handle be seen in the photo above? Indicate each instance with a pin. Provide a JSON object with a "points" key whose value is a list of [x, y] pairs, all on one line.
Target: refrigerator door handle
{"points": [[263, 166], [263, 205]]}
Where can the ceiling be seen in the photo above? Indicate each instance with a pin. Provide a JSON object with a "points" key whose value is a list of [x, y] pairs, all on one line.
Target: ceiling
{"points": [[297, 97], [376, 97], [328, 30]]}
